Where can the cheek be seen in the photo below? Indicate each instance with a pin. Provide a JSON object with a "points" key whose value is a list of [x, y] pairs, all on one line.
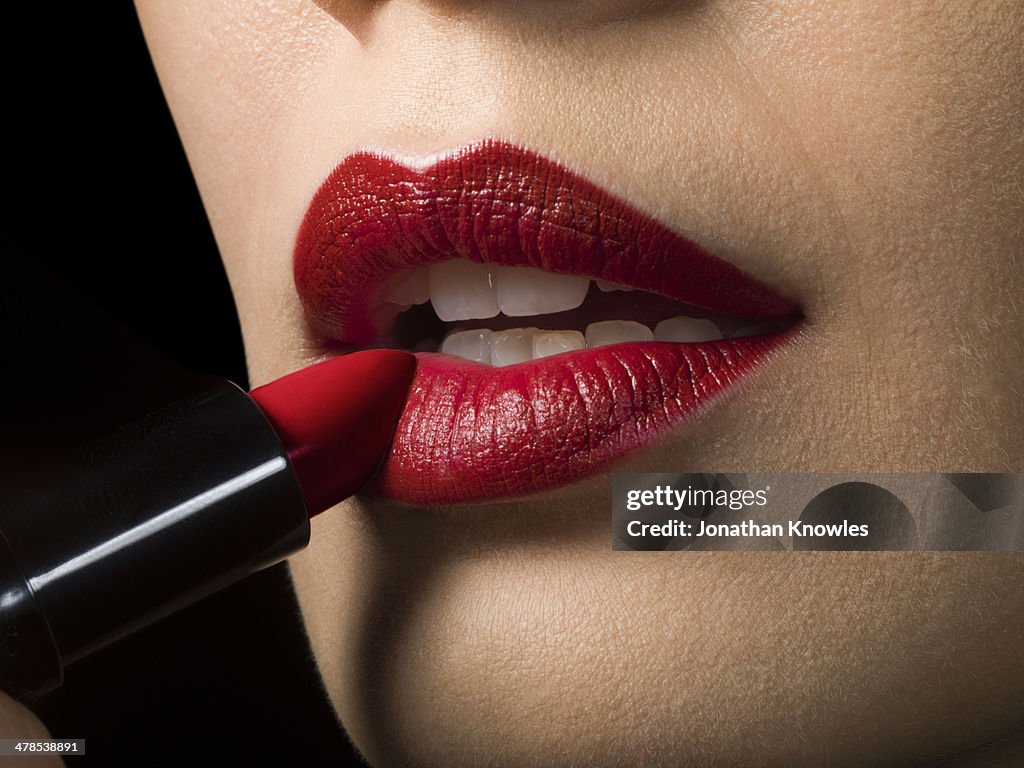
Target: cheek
{"points": [[907, 118], [907, 113], [234, 73]]}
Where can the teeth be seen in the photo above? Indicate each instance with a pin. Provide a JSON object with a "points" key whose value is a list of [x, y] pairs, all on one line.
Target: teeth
{"points": [[607, 287], [524, 291], [471, 345], [462, 290], [686, 329], [547, 343], [408, 287], [616, 332], [512, 346], [519, 345]]}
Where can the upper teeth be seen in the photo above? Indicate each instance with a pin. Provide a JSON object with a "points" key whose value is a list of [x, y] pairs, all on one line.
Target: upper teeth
{"points": [[606, 286], [464, 290], [409, 287], [521, 344], [460, 290]]}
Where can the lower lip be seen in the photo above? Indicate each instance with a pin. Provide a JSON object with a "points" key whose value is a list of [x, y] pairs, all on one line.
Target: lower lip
{"points": [[472, 433]]}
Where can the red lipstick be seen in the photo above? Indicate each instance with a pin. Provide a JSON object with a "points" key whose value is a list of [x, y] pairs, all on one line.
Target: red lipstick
{"points": [[471, 432], [182, 503], [336, 420]]}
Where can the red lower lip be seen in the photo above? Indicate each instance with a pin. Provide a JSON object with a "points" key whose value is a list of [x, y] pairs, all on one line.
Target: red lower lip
{"points": [[470, 432]]}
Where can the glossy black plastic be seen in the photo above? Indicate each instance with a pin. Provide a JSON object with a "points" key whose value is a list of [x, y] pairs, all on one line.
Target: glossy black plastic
{"points": [[145, 521]]}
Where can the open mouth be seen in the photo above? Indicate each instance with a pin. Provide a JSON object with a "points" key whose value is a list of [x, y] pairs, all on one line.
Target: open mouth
{"points": [[557, 327], [508, 315]]}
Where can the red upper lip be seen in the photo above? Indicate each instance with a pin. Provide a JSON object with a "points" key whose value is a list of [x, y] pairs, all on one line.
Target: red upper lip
{"points": [[463, 435], [498, 203]]}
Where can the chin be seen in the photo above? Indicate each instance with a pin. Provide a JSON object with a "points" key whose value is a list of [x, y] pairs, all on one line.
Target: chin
{"points": [[454, 644]]}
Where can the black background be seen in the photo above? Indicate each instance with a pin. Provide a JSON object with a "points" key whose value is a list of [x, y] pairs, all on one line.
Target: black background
{"points": [[102, 205]]}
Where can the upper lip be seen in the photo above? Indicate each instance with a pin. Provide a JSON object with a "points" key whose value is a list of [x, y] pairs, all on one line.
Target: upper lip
{"points": [[471, 432], [498, 203]]}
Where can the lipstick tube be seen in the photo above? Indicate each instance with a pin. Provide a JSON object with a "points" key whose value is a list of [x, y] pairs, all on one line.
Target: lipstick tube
{"points": [[176, 506]]}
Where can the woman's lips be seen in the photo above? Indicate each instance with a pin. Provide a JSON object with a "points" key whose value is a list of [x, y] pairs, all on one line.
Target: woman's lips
{"points": [[470, 432]]}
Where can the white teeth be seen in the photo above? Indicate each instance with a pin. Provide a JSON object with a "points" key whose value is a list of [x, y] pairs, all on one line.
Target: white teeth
{"points": [[524, 291], [616, 332], [462, 290], [607, 287], [512, 346], [471, 345], [547, 343], [686, 329], [519, 345], [408, 287]]}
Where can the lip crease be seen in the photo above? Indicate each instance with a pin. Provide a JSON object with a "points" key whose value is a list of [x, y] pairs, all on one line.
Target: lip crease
{"points": [[473, 433]]}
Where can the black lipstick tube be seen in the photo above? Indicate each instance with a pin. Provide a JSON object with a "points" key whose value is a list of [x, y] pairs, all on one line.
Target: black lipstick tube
{"points": [[110, 546]]}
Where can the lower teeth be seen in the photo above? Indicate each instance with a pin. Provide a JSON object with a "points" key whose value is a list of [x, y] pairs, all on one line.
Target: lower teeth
{"points": [[519, 345]]}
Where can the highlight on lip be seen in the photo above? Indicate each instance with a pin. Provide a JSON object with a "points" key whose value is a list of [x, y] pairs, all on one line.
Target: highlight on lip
{"points": [[572, 328]]}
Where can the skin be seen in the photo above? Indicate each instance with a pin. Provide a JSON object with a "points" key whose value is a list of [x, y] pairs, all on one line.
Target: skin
{"points": [[17, 722], [864, 158]]}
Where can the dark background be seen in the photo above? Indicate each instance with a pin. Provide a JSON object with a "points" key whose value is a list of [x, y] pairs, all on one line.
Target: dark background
{"points": [[102, 212]]}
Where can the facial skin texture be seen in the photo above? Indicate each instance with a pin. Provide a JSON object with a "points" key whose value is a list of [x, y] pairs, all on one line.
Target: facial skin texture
{"points": [[865, 158]]}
